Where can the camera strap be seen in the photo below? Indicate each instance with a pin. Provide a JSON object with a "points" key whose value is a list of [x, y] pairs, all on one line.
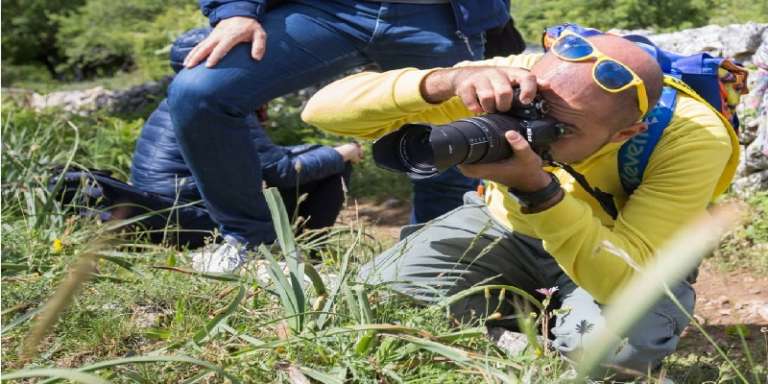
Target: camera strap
{"points": [[604, 198]]}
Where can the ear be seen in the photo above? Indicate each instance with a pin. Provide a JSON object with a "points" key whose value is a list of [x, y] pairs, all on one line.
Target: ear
{"points": [[628, 132]]}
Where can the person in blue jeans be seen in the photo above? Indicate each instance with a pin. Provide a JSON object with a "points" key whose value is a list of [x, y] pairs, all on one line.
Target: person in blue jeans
{"points": [[319, 173], [255, 54]]}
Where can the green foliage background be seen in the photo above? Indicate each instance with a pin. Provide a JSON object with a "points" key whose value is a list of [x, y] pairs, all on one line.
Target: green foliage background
{"points": [[77, 40], [66, 40], [660, 15]]}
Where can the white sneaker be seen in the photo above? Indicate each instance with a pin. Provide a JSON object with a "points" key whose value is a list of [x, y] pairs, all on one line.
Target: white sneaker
{"points": [[220, 258]]}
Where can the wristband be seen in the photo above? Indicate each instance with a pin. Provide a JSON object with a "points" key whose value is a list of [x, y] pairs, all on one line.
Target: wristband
{"points": [[530, 200]]}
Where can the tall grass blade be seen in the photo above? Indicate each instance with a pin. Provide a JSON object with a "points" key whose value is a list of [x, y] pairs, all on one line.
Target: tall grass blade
{"points": [[284, 232], [213, 324], [42, 217], [452, 353], [342, 277], [481, 288], [290, 302], [317, 281], [321, 376], [21, 319], [367, 339], [81, 272], [154, 359], [293, 257], [460, 357], [208, 275], [671, 264], [58, 373]]}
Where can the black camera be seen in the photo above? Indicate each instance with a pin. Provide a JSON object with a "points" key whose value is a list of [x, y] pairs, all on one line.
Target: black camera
{"points": [[423, 150]]}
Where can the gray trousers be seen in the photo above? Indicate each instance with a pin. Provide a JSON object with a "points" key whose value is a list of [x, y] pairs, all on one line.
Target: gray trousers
{"points": [[466, 247]]}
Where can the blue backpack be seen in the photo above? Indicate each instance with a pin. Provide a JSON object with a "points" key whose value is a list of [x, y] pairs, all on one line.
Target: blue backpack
{"points": [[717, 82]]}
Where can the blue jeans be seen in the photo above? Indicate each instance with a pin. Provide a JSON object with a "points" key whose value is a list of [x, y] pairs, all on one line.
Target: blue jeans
{"points": [[307, 42]]}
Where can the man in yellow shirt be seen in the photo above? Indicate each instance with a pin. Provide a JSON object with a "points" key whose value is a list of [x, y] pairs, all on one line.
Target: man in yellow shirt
{"points": [[556, 238]]}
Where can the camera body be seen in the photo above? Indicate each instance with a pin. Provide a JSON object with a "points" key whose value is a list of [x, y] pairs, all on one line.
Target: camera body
{"points": [[424, 150]]}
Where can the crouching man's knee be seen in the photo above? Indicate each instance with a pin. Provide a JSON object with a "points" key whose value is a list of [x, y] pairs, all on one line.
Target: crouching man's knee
{"points": [[649, 341]]}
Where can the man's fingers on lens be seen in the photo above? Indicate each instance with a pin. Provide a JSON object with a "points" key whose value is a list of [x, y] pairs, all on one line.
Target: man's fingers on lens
{"points": [[519, 145]]}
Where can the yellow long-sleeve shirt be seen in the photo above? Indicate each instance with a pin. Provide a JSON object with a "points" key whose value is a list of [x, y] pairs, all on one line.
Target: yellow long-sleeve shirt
{"points": [[692, 163]]}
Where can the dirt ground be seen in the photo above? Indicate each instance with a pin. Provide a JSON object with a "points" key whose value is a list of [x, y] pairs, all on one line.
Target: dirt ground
{"points": [[725, 299]]}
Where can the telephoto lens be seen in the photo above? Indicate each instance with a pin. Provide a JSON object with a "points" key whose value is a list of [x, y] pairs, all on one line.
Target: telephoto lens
{"points": [[423, 150]]}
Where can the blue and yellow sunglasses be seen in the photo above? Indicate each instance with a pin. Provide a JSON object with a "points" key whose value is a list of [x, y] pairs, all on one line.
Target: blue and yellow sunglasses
{"points": [[610, 74]]}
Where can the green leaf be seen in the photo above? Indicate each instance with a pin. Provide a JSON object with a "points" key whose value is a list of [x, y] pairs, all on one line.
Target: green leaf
{"points": [[57, 373], [452, 353], [321, 376], [285, 291], [211, 325], [152, 359], [293, 257]]}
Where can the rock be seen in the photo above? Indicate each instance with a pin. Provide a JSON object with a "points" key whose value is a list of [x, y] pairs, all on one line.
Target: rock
{"points": [[391, 203], [754, 158], [748, 131], [722, 301], [738, 41], [724, 312], [147, 316], [763, 311], [756, 291], [747, 185], [81, 102], [98, 98], [514, 343], [741, 169]]}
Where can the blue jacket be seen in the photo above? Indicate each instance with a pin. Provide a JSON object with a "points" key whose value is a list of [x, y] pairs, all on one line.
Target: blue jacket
{"points": [[159, 168], [471, 16]]}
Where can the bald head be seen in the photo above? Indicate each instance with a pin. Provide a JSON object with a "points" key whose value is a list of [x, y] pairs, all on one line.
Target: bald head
{"points": [[572, 81]]}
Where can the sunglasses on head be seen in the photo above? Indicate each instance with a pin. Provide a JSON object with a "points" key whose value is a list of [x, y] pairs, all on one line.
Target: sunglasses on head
{"points": [[610, 74]]}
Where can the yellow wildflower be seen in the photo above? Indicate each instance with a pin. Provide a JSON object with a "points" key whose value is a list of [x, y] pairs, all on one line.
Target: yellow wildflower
{"points": [[57, 246]]}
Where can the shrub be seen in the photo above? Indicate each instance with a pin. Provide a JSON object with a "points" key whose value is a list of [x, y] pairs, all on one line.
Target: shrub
{"points": [[104, 37], [29, 32], [534, 16]]}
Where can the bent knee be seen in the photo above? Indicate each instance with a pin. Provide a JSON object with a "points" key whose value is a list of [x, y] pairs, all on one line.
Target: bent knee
{"points": [[195, 89]]}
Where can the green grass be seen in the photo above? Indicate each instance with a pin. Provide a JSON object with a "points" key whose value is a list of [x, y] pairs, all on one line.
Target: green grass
{"points": [[137, 305], [42, 83], [746, 247]]}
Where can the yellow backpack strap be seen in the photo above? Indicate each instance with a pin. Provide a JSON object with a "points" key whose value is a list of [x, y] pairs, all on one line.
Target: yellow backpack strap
{"points": [[730, 169]]}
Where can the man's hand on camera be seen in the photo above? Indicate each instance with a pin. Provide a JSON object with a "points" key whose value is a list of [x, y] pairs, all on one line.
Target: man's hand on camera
{"points": [[228, 33], [482, 89], [522, 171]]}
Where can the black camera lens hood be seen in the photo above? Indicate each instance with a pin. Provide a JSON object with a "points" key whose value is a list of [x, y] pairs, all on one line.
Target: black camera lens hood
{"points": [[389, 153]]}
